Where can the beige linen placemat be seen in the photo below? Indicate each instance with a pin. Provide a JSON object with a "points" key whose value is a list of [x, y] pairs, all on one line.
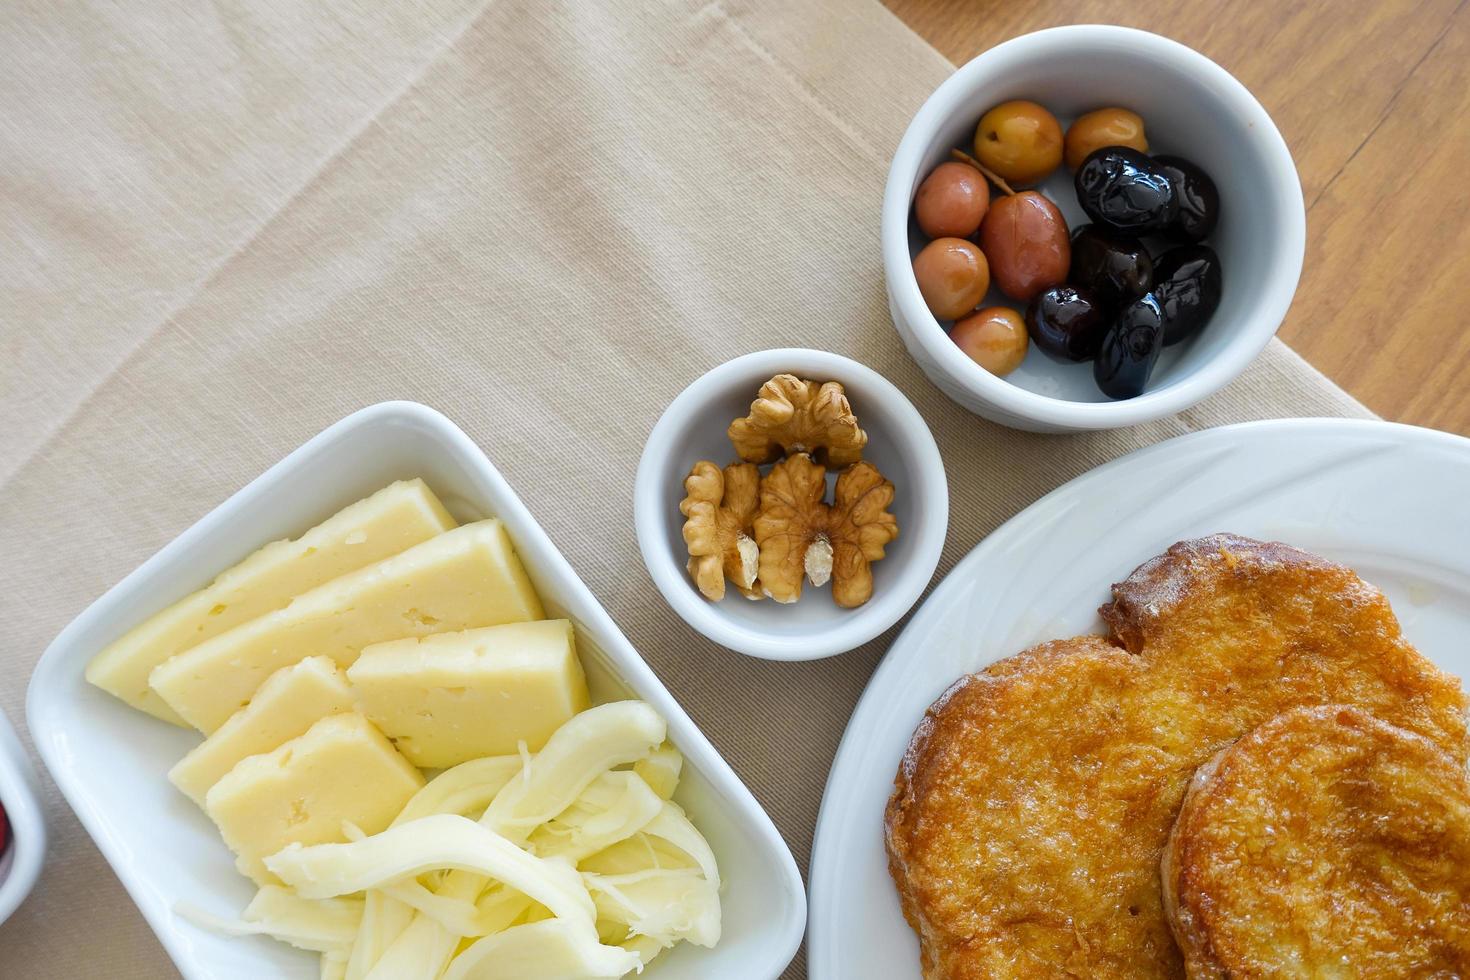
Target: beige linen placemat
{"points": [[225, 226]]}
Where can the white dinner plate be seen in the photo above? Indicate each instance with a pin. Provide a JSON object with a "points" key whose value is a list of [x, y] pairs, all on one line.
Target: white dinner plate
{"points": [[1388, 500], [111, 762]]}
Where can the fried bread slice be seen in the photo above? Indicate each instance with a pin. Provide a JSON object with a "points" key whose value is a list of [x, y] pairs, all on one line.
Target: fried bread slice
{"points": [[1238, 630], [998, 804], [1326, 842], [1028, 816]]}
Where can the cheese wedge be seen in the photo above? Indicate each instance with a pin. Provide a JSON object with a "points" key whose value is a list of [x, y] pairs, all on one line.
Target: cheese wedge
{"points": [[289, 702], [395, 518], [464, 578], [341, 769], [452, 697]]}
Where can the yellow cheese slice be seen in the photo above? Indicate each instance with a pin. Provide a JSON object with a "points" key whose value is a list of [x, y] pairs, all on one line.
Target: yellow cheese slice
{"points": [[342, 769], [462, 579], [289, 702], [393, 519], [451, 697]]}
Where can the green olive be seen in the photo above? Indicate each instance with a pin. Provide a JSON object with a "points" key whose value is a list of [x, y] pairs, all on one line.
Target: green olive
{"points": [[1020, 141]]}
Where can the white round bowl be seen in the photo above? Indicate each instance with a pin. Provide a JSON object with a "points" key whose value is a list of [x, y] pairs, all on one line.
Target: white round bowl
{"points": [[693, 428], [1191, 107], [20, 795]]}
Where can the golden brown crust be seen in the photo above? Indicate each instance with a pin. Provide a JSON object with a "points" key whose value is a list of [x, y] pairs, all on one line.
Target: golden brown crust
{"points": [[1159, 585], [983, 733], [1324, 839], [1244, 623], [1032, 807], [1184, 926]]}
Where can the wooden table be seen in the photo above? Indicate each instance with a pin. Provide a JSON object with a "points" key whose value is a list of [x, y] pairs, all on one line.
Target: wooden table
{"points": [[1374, 100]]}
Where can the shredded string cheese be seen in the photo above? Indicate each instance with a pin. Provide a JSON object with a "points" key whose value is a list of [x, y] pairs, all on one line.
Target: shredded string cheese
{"points": [[554, 948], [661, 769], [569, 862], [589, 744], [441, 841]]}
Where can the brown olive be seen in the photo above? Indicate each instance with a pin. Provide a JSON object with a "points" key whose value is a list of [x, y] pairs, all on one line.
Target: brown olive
{"points": [[1020, 141], [952, 201], [953, 275], [1104, 127], [1025, 239], [994, 338]]}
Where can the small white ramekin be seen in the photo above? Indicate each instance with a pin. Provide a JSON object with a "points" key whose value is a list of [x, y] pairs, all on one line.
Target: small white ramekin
{"points": [[900, 445], [1191, 107], [20, 795]]}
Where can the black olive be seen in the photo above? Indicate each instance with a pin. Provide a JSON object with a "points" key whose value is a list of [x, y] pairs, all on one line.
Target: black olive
{"points": [[1116, 270], [1066, 322], [1124, 191], [1130, 349], [1199, 201], [1187, 284]]}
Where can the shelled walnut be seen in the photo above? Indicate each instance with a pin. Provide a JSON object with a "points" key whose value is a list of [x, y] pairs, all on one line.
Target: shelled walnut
{"points": [[718, 511], [799, 534], [790, 415], [766, 533]]}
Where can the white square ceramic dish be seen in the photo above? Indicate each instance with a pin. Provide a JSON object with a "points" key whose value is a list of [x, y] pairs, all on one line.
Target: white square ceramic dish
{"points": [[110, 761]]}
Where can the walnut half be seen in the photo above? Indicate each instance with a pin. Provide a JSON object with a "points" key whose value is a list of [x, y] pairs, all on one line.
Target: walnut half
{"points": [[801, 536], [790, 415], [718, 511], [860, 527]]}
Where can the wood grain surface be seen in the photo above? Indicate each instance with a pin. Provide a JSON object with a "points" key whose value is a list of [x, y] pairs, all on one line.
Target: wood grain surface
{"points": [[1373, 98]]}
